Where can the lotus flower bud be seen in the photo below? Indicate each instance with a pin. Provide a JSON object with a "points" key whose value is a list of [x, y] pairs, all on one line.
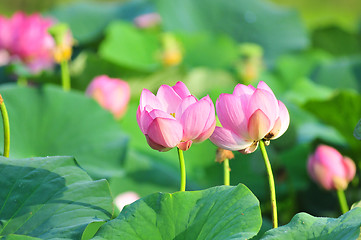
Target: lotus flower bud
{"points": [[248, 116], [111, 93], [124, 199], [330, 169], [172, 54], [174, 117], [64, 42], [147, 20], [250, 64]]}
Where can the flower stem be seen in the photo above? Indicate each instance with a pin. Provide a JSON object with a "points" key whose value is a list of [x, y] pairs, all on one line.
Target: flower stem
{"points": [[65, 76], [342, 200], [182, 170], [226, 172], [6, 125], [271, 184]]}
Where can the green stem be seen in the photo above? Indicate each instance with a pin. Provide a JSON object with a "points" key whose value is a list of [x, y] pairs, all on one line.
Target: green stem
{"points": [[182, 170], [22, 81], [6, 125], [65, 76], [226, 172], [342, 200], [271, 184]]}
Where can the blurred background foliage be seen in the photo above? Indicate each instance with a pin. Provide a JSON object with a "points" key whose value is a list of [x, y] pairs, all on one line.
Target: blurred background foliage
{"points": [[308, 52]]}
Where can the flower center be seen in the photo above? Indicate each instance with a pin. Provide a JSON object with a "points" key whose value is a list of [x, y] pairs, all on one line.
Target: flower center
{"points": [[172, 114]]}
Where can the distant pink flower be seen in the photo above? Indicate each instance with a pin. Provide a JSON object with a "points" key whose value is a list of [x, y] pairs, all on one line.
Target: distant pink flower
{"points": [[248, 116], [174, 117], [112, 94], [124, 199], [147, 20], [26, 39], [330, 169]]}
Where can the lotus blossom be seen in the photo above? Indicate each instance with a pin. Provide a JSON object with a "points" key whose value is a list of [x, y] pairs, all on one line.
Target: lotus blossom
{"points": [[330, 169], [248, 116], [174, 117], [26, 40], [112, 94]]}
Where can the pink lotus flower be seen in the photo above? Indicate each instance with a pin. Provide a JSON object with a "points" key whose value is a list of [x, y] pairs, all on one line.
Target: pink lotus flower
{"points": [[112, 94], [248, 116], [174, 117], [26, 39], [330, 169], [124, 199]]}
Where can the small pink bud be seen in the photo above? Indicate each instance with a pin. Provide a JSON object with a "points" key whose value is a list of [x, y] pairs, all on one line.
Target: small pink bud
{"points": [[330, 169], [147, 20], [124, 199], [111, 93], [248, 116], [174, 117]]}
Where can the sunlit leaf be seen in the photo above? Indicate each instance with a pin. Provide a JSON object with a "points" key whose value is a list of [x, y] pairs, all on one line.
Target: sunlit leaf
{"points": [[304, 226], [215, 213], [50, 198], [49, 121]]}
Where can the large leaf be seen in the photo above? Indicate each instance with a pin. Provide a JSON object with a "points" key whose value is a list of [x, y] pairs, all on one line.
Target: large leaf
{"points": [[342, 111], [357, 131], [130, 47], [341, 73], [276, 29], [337, 41], [215, 213], [49, 121], [207, 50], [50, 198], [317, 13], [88, 20], [304, 226]]}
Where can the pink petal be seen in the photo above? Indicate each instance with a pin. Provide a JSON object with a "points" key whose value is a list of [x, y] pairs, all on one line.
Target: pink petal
{"points": [[265, 101], [206, 133], [264, 86], [230, 110], [331, 159], [195, 118], [155, 145], [165, 132], [253, 147], [210, 124], [258, 125], [169, 98], [144, 120], [155, 113], [148, 98], [282, 122], [241, 89], [181, 89], [184, 146], [146, 117], [225, 138], [322, 176], [186, 102], [350, 168]]}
